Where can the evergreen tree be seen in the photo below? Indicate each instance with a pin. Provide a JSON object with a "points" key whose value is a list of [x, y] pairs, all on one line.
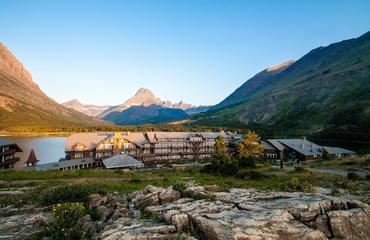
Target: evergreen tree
{"points": [[325, 154], [220, 148]]}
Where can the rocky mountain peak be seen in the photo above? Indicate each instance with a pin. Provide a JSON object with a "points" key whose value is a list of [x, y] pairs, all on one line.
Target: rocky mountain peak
{"points": [[280, 66], [144, 91], [13, 68]]}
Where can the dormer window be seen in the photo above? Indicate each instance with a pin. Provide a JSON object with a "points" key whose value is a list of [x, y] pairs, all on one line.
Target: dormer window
{"points": [[196, 139], [79, 147]]}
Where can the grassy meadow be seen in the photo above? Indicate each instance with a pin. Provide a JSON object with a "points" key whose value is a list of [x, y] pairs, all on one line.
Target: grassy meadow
{"points": [[44, 188]]}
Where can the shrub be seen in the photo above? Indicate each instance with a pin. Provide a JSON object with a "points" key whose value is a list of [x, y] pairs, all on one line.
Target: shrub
{"points": [[296, 185], [365, 163], [352, 176], [300, 170], [249, 162], [229, 168], [225, 166], [335, 191], [179, 186], [135, 180], [69, 193], [350, 163], [66, 222], [250, 174]]}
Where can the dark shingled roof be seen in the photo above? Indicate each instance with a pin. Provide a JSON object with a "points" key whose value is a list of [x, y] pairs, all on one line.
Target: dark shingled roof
{"points": [[122, 161]]}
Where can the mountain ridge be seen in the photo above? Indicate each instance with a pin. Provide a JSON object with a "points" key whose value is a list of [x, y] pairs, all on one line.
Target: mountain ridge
{"points": [[143, 107], [23, 103], [313, 96]]}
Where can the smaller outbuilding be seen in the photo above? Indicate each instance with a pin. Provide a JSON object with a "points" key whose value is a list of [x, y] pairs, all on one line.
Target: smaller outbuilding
{"points": [[339, 152], [120, 161], [32, 159]]}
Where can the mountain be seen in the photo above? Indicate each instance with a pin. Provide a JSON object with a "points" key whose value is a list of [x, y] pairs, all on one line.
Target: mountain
{"points": [[145, 107], [256, 83], [144, 97], [23, 104], [87, 109], [326, 93]]}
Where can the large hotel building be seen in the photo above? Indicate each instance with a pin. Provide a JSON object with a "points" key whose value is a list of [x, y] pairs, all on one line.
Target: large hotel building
{"points": [[148, 147]]}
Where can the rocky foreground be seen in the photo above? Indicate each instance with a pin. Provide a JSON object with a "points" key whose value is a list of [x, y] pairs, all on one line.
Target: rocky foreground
{"points": [[206, 213]]}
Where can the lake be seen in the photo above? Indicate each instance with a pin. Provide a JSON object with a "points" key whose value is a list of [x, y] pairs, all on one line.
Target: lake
{"points": [[47, 149]]}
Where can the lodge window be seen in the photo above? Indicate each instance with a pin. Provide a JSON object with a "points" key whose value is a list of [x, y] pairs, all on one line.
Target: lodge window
{"points": [[78, 148], [105, 146], [79, 155]]}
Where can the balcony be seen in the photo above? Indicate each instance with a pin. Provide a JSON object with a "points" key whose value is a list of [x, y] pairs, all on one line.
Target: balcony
{"points": [[9, 162], [8, 152]]}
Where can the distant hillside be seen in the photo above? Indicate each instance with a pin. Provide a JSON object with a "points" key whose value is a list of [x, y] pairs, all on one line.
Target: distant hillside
{"points": [[326, 93], [22, 103], [87, 109]]}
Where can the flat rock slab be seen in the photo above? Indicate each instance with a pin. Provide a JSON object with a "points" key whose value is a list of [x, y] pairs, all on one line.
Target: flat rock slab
{"points": [[22, 226], [251, 214]]}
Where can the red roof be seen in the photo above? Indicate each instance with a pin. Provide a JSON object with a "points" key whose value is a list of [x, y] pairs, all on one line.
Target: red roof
{"points": [[32, 157]]}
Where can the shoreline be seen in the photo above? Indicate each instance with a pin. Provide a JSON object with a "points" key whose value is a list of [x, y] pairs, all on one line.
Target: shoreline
{"points": [[33, 134]]}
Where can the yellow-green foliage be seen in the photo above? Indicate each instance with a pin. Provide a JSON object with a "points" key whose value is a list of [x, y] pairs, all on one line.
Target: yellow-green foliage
{"points": [[296, 185], [65, 224]]}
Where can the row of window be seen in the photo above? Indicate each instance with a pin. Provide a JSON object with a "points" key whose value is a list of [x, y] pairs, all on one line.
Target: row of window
{"points": [[6, 157]]}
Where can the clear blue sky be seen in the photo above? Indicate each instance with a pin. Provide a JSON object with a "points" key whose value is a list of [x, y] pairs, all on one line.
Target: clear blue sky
{"points": [[198, 51]]}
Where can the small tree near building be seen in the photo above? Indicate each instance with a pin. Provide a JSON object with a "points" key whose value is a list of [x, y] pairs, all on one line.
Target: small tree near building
{"points": [[285, 157], [220, 148], [249, 148], [325, 154]]}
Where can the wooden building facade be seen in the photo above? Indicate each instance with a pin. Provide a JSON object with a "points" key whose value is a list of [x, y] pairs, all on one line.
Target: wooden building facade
{"points": [[7, 154], [148, 147]]}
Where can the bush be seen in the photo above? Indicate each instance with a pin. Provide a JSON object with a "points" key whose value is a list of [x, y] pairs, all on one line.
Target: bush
{"points": [[69, 193], [179, 186], [350, 163], [335, 191], [225, 166], [300, 170], [250, 174], [135, 180], [229, 168], [352, 176], [249, 162], [66, 222], [296, 185]]}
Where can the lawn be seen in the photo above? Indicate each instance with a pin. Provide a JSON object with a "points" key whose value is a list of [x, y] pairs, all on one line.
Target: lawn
{"points": [[37, 186], [349, 163]]}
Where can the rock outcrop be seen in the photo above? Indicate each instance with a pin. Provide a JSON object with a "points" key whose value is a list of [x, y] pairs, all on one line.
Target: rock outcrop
{"points": [[22, 226], [206, 213], [240, 214]]}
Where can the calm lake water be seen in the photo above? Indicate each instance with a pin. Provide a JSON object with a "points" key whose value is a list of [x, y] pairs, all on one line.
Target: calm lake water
{"points": [[47, 149]]}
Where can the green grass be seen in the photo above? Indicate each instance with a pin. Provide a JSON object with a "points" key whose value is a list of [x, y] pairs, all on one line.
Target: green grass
{"points": [[41, 186], [348, 163]]}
